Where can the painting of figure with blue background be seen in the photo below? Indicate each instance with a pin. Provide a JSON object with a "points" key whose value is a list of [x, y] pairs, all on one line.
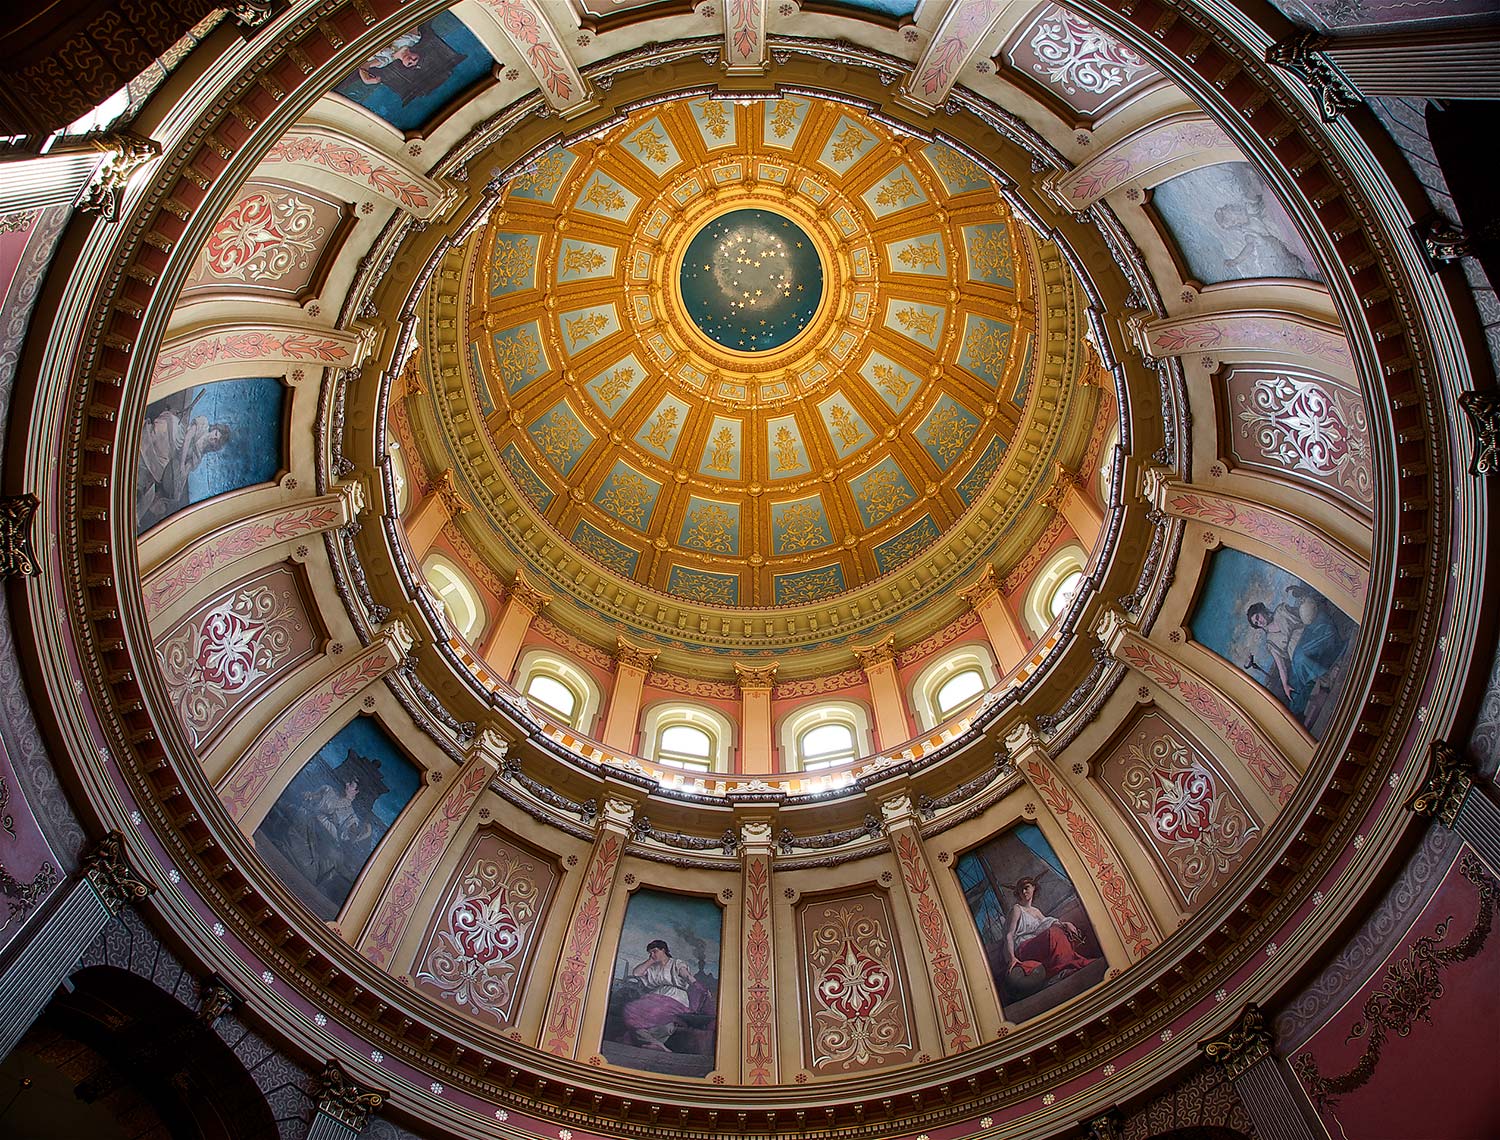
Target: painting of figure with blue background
{"points": [[1282, 632], [205, 441], [412, 78], [663, 1014], [328, 821]]}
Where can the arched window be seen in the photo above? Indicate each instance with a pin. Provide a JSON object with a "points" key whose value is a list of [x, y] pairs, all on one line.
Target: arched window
{"points": [[1054, 588], [554, 696], [560, 689], [399, 484], [958, 690], [951, 684], [457, 594], [825, 735], [687, 736]]}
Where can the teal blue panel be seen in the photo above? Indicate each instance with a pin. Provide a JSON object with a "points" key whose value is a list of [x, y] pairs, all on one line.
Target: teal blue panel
{"points": [[628, 496], [721, 451], [960, 174], [603, 196], [711, 526], [892, 383], [786, 453], [946, 431], [846, 427], [848, 143], [986, 348], [881, 491], [919, 323], [972, 485], [782, 121], [540, 183], [581, 329], [799, 525], [925, 255], [605, 550], [527, 481], [513, 263], [717, 122], [561, 436], [581, 260], [988, 251], [899, 190], [703, 586], [809, 585], [663, 427], [613, 385], [519, 355], [906, 545], [651, 145]]}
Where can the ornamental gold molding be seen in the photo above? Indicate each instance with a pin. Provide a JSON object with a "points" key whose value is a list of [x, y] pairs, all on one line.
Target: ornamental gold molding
{"points": [[111, 875], [1450, 779], [17, 558], [1247, 1041], [349, 1103]]}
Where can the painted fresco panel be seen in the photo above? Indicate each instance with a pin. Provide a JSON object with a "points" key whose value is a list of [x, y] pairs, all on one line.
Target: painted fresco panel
{"points": [[520, 356], [920, 323], [989, 254], [899, 190], [704, 586], [328, 821], [205, 441], [233, 647], [787, 453], [419, 72], [1178, 799], [478, 948], [809, 585], [628, 496], [663, 1014], [987, 349], [541, 182], [1085, 67], [972, 485], [1279, 631], [856, 1011], [924, 256], [614, 385], [1228, 225], [1411, 1052], [906, 545], [1301, 426], [651, 145], [604, 197], [711, 526], [271, 239], [881, 492], [561, 436], [782, 121], [846, 428], [848, 143], [582, 329], [527, 481], [513, 260], [946, 432], [604, 550], [959, 173], [721, 451], [1037, 937]]}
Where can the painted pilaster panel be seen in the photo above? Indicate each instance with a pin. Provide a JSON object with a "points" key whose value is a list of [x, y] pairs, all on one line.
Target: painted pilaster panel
{"points": [[758, 961]]}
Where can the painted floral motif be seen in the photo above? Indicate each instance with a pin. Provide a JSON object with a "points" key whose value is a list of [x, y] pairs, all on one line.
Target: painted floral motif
{"points": [[525, 28], [348, 160], [1307, 426], [955, 43], [1076, 56], [263, 238], [249, 346], [238, 643], [759, 1008], [953, 1007], [1200, 829], [583, 941], [476, 957], [858, 1014]]}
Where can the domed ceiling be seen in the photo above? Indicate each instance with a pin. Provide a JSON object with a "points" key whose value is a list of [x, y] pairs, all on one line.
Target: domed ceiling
{"points": [[747, 353]]}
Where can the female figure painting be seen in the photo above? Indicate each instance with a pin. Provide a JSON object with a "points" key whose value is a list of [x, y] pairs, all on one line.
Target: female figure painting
{"points": [[1037, 937], [327, 822], [663, 999], [205, 441], [1278, 629], [412, 77]]}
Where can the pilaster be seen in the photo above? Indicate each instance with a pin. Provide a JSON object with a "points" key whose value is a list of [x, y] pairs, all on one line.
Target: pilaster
{"points": [[879, 663], [344, 1107], [1453, 795], [632, 667], [1244, 1053], [757, 748], [1001, 626], [503, 645], [757, 953]]}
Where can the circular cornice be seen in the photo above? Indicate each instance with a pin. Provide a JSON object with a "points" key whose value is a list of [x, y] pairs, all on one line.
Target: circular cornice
{"points": [[91, 392]]}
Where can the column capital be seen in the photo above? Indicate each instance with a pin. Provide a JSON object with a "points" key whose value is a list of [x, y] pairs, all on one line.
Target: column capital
{"points": [[111, 876], [876, 654], [756, 837], [634, 656], [215, 999], [982, 587], [1302, 53], [1450, 777], [618, 814], [17, 558], [491, 746], [1483, 410], [754, 676], [1109, 628], [525, 594], [898, 811], [446, 489], [339, 1097], [1245, 1042], [1106, 1126], [1023, 741], [356, 496], [1154, 481], [1063, 481]]}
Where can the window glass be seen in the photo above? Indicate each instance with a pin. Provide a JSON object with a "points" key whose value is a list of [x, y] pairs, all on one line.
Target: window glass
{"points": [[553, 695], [958, 690], [685, 745], [463, 608], [1062, 594], [826, 745]]}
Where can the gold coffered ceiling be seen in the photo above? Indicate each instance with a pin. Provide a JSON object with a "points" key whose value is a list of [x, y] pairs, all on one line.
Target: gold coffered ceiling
{"points": [[810, 411]]}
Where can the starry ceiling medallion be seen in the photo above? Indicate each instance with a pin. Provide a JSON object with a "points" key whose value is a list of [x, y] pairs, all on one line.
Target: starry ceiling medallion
{"points": [[751, 280]]}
